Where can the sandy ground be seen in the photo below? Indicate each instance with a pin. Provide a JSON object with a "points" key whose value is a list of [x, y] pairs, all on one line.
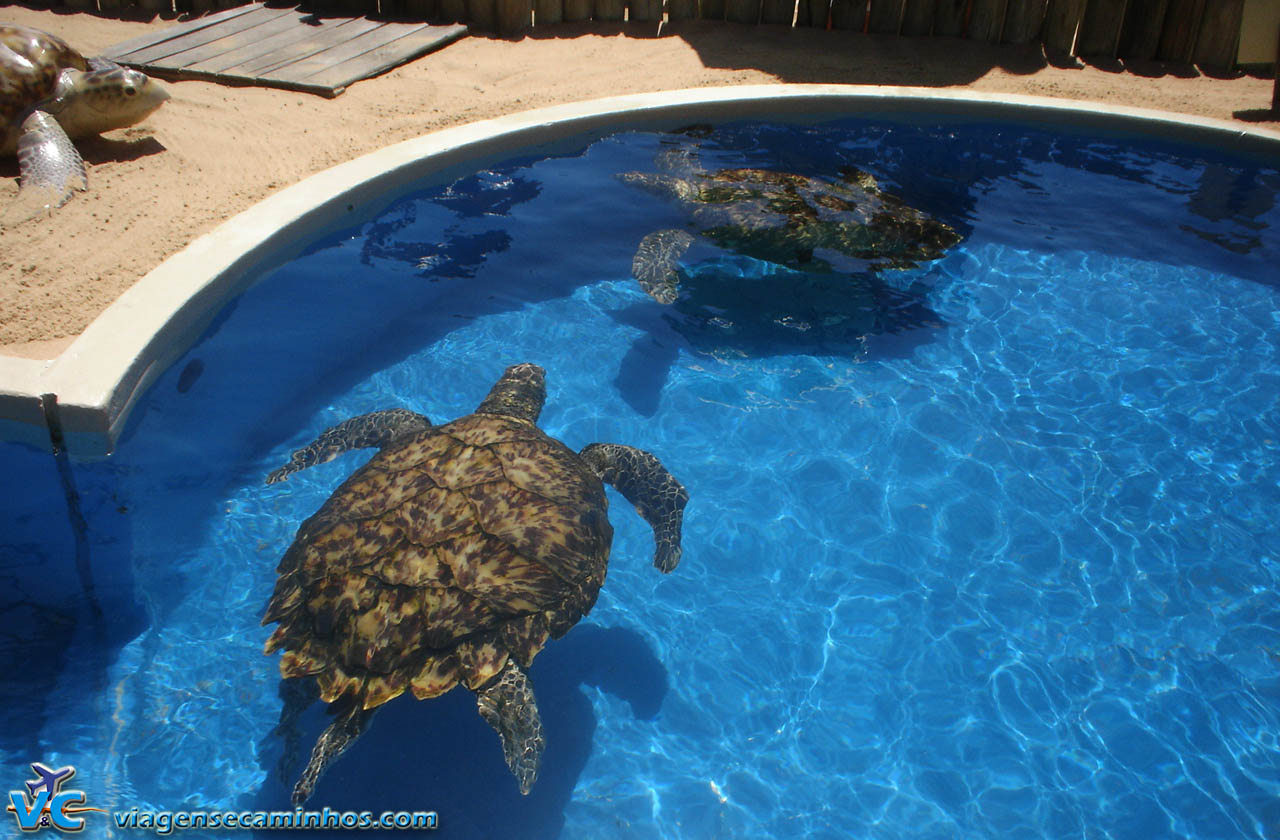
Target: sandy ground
{"points": [[213, 151]]}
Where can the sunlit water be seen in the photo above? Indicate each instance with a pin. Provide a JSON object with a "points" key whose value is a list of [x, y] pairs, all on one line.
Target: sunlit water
{"points": [[1009, 573]]}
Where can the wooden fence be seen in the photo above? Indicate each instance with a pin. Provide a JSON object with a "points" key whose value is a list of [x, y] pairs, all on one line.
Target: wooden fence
{"points": [[1204, 32]]}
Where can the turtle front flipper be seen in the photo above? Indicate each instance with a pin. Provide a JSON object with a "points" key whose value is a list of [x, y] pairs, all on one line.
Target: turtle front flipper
{"points": [[49, 169], [377, 428], [339, 735], [507, 704], [654, 265], [657, 495]]}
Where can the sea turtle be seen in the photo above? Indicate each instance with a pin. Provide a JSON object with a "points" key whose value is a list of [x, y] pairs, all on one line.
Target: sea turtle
{"points": [[451, 557], [49, 95], [798, 221]]}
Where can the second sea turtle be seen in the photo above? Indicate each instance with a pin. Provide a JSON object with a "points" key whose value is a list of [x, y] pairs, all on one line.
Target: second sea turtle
{"points": [[797, 221], [50, 95]]}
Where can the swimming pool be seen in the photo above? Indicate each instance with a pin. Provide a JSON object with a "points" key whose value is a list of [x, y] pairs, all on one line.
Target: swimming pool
{"points": [[1008, 569]]}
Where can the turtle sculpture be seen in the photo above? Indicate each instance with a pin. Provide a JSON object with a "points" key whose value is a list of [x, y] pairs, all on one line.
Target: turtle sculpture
{"points": [[797, 221], [452, 557], [49, 95]]}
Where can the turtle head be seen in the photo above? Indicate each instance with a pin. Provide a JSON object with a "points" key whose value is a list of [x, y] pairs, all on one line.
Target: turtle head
{"points": [[519, 393], [105, 97]]}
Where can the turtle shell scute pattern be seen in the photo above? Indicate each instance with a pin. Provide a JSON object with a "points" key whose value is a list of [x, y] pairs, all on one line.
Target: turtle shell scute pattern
{"points": [[445, 555], [30, 63]]}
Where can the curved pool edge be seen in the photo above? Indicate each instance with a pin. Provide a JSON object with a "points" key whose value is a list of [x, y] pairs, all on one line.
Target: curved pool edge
{"points": [[91, 387]]}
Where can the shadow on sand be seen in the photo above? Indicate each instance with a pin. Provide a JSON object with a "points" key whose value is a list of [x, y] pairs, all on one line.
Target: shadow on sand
{"points": [[807, 54]]}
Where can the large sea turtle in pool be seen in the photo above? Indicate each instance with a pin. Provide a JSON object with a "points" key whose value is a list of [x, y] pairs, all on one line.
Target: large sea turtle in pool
{"points": [[452, 557], [49, 95], [798, 221]]}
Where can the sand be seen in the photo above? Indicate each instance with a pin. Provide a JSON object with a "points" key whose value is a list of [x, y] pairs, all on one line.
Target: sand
{"points": [[213, 151]]}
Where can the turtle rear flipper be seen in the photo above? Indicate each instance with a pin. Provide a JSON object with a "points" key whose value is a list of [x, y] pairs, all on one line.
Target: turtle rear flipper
{"points": [[377, 428], [339, 735], [648, 485], [507, 704], [654, 265], [49, 168]]}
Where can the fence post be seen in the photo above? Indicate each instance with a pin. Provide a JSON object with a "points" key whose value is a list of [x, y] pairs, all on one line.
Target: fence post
{"points": [[1143, 24], [742, 11], [1275, 91], [1061, 24], [886, 16], [575, 10], [1023, 21], [778, 11], [1101, 27], [918, 18], [949, 17], [1181, 28], [986, 20], [1218, 41]]}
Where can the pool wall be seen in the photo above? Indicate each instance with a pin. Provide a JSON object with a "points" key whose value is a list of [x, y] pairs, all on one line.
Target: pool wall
{"points": [[86, 394]]}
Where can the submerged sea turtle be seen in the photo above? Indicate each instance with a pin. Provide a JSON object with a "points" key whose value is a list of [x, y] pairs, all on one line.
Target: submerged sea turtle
{"points": [[50, 94], [452, 556], [793, 220]]}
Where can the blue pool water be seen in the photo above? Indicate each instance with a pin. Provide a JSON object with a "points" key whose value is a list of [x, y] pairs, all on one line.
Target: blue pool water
{"points": [[1008, 572]]}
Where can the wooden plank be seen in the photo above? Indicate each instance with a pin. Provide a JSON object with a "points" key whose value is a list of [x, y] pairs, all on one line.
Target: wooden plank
{"points": [[778, 11], [1061, 23], [332, 37], [611, 10], [886, 16], [168, 33], [1101, 27], [453, 11], [307, 58], [201, 36], [1275, 90], [848, 14], [482, 15], [514, 16], [742, 11], [711, 9], [412, 45], [224, 53], [547, 12], [1143, 23], [917, 20], [817, 13], [645, 11], [1024, 21], [1219, 34], [681, 9], [950, 17], [1181, 26], [986, 20]]}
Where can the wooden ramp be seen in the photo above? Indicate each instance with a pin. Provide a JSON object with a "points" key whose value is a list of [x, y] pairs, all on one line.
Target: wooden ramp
{"points": [[281, 47]]}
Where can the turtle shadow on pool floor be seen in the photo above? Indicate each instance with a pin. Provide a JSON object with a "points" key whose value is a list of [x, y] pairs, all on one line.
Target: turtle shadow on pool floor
{"points": [[440, 755], [741, 308]]}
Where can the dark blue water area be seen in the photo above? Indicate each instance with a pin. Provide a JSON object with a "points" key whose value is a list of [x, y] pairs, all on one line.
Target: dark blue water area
{"points": [[984, 547]]}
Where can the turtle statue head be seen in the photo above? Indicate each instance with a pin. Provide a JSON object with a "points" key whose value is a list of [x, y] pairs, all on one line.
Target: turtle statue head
{"points": [[519, 393], [104, 99]]}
